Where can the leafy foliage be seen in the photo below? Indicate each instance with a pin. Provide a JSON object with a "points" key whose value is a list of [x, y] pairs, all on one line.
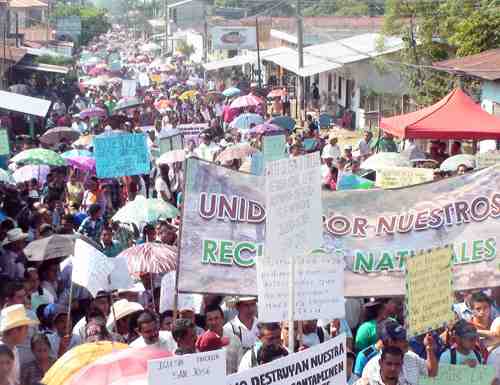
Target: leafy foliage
{"points": [[185, 48], [435, 31], [94, 21], [54, 60]]}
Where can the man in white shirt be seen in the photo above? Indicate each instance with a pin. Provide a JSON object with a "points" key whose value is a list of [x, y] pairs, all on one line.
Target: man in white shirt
{"points": [[207, 149], [79, 125], [150, 335], [245, 325], [332, 149], [365, 145], [413, 366]]}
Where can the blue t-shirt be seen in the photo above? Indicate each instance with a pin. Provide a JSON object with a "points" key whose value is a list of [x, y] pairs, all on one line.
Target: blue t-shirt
{"points": [[446, 357], [362, 359]]}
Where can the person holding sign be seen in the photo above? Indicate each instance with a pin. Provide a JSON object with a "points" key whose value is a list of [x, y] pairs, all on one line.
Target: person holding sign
{"points": [[413, 366]]}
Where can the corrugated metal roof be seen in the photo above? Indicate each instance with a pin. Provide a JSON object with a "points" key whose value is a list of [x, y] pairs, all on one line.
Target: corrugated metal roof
{"points": [[13, 54], [44, 68], [25, 104], [484, 65], [234, 61], [356, 48], [27, 4]]}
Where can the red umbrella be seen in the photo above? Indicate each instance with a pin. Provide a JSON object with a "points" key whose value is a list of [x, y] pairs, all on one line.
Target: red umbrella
{"points": [[125, 366], [246, 101], [150, 258]]}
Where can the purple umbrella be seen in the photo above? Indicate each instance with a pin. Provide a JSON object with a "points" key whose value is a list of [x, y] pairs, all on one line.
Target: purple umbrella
{"points": [[265, 128], [93, 112], [84, 163]]}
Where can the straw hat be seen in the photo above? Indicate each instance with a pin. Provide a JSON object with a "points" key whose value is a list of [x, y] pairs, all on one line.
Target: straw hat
{"points": [[15, 316], [122, 308], [14, 235]]}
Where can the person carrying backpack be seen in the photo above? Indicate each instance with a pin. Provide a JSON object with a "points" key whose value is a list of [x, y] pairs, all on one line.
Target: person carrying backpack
{"points": [[464, 349]]}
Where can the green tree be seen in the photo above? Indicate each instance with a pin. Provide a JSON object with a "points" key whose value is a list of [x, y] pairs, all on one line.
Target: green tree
{"points": [[185, 48], [434, 31]]}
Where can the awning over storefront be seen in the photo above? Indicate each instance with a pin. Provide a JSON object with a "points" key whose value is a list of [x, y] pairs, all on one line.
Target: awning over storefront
{"points": [[234, 61], [25, 104], [44, 68], [289, 59]]}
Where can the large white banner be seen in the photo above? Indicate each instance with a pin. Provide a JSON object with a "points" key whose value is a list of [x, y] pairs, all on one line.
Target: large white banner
{"points": [[322, 364], [234, 37], [293, 231]]}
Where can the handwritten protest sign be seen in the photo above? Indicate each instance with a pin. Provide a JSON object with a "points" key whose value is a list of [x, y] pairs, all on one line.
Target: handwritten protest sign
{"points": [[129, 87], [4, 142], [395, 177], [429, 290], [192, 131], [273, 147], [487, 159], [321, 364], [293, 230], [191, 369], [170, 143], [121, 155], [460, 375], [91, 268]]}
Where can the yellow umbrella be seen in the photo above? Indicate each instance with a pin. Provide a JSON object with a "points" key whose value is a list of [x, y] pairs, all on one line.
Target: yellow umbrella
{"points": [[188, 94], [75, 359]]}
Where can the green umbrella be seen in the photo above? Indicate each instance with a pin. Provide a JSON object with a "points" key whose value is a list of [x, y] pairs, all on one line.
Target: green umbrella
{"points": [[39, 156], [142, 210]]}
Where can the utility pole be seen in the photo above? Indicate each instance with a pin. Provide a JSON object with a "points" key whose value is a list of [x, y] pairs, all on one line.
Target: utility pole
{"points": [[259, 71], [300, 48], [166, 15], [205, 33]]}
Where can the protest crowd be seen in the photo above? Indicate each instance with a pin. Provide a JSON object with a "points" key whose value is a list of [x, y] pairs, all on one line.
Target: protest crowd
{"points": [[90, 240]]}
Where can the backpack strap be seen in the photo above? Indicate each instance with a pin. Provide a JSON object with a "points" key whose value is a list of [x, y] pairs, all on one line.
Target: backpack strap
{"points": [[253, 358], [478, 356], [453, 356], [321, 334]]}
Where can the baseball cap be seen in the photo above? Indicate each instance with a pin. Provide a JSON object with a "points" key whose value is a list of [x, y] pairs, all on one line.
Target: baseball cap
{"points": [[209, 341], [391, 330], [464, 329]]}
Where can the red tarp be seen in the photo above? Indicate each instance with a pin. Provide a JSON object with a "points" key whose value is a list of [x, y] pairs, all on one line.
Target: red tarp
{"points": [[456, 116]]}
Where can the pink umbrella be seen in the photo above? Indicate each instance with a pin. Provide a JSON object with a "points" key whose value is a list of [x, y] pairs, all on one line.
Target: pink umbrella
{"points": [[96, 71], [150, 258], [94, 112], [84, 163], [31, 171], [124, 366], [265, 128], [246, 101], [237, 151]]}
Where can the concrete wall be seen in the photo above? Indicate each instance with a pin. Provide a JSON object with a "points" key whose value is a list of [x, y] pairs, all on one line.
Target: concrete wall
{"points": [[189, 15]]}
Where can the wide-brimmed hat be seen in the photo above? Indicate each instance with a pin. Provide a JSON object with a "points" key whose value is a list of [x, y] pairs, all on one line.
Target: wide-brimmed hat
{"points": [[14, 235], [14, 316], [121, 309], [245, 299]]}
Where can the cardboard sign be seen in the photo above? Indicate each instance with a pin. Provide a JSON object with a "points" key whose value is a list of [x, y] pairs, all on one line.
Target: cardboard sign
{"points": [[429, 291], [170, 143], [4, 142], [191, 369], [487, 159], [273, 147], [460, 375], [321, 364], [395, 177], [121, 155]]}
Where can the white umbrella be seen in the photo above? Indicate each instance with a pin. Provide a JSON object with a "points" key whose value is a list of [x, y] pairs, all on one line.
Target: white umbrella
{"points": [[385, 160]]}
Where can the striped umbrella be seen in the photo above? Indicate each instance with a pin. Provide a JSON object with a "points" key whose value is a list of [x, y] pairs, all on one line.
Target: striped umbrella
{"points": [[126, 367], [150, 258]]}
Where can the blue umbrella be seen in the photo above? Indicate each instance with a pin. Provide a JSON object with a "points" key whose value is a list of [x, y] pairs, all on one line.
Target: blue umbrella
{"points": [[231, 91], [325, 120], [244, 121], [285, 122], [354, 182], [73, 153]]}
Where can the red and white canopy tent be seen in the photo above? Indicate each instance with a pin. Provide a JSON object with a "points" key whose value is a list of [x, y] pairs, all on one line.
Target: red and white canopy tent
{"points": [[456, 116]]}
